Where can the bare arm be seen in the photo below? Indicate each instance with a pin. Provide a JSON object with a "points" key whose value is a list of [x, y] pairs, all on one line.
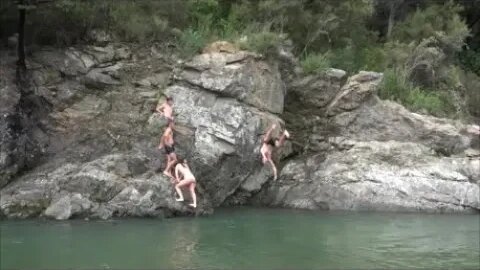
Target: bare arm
{"points": [[159, 108], [162, 143], [269, 133], [177, 174]]}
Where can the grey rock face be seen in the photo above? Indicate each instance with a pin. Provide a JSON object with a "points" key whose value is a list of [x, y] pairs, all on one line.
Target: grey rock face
{"points": [[102, 188], [103, 159], [370, 154], [96, 78], [239, 76], [96, 153], [357, 89], [22, 139], [67, 207], [221, 130], [386, 120], [319, 90], [385, 176]]}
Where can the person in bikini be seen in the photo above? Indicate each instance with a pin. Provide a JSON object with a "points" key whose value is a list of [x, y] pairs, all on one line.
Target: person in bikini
{"points": [[184, 178], [268, 143], [167, 142], [166, 109]]}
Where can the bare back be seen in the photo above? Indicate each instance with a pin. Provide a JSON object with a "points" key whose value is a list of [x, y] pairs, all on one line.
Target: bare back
{"points": [[185, 171], [167, 110]]}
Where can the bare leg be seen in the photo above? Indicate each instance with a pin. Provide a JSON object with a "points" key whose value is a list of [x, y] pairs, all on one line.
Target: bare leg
{"points": [[274, 169], [166, 164], [268, 154], [179, 192], [194, 196], [264, 151], [180, 184], [172, 159]]}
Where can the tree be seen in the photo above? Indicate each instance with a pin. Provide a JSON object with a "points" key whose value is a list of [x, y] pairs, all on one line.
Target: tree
{"points": [[21, 67], [393, 6], [23, 6]]}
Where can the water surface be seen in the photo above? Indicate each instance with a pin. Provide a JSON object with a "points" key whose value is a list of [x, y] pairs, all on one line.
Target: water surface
{"points": [[247, 238]]}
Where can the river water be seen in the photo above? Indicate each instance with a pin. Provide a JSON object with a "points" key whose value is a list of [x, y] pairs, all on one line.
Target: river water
{"points": [[246, 238]]}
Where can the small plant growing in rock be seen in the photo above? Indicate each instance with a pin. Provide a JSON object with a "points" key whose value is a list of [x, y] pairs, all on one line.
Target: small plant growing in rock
{"points": [[315, 63]]}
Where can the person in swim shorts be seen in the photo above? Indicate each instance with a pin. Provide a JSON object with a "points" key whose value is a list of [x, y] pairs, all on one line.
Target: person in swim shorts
{"points": [[166, 109], [167, 142]]}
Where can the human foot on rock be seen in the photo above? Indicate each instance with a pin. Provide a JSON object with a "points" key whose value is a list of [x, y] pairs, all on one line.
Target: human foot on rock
{"points": [[179, 199], [193, 205], [168, 174]]}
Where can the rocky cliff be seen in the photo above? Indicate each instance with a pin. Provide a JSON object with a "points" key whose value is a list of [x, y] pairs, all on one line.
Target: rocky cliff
{"points": [[363, 153], [83, 142]]}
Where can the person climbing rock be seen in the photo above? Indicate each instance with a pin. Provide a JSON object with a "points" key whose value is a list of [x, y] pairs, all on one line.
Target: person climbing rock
{"points": [[185, 178], [166, 109], [167, 142], [268, 144]]}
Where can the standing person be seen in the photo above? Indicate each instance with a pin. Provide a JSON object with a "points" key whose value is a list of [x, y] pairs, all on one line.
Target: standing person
{"points": [[167, 141], [166, 109], [268, 143], [184, 177]]}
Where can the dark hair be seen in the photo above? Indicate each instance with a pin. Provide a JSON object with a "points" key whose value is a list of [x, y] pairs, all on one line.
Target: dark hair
{"points": [[169, 99], [180, 160]]}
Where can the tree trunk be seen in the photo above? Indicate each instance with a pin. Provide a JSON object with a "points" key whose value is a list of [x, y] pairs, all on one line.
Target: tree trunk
{"points": [[21, 67], [391, 19]]}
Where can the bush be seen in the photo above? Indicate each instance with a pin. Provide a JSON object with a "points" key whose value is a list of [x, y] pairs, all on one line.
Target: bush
{"points": [[315, 63], [470, 60], [191, 42], [66, 22], [436, 103], [263, 42], [471, 83], [396, 87], [343, 58], [133, 22]]}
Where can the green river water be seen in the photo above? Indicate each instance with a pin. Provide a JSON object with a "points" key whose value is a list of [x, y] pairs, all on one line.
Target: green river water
{"points": [[247, 238]]}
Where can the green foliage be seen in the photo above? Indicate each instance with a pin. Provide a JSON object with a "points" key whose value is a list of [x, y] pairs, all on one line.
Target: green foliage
{"points": [[435, 103], [373, 58], [353, 59], [434, 70], [315, 63], [70, 19], [263, 42], [470, 60], [396, 87], [471, 83], [191, 42], [442, 22], [133, 22]]}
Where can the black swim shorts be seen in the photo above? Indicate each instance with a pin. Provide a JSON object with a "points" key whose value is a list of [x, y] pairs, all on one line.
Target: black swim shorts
{"points": [[169, 149]]}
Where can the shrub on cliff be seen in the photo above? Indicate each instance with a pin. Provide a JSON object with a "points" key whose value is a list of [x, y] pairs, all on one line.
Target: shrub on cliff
{"points": [[397, 87], [315, 63]]}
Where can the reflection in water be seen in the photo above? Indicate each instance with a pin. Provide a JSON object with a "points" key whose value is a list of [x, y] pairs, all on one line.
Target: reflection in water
{"points": [[246, 239], [185, 244]]}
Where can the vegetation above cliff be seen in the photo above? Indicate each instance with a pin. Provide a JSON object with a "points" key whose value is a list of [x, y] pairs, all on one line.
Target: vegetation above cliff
{"points": [[429, 50]]}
